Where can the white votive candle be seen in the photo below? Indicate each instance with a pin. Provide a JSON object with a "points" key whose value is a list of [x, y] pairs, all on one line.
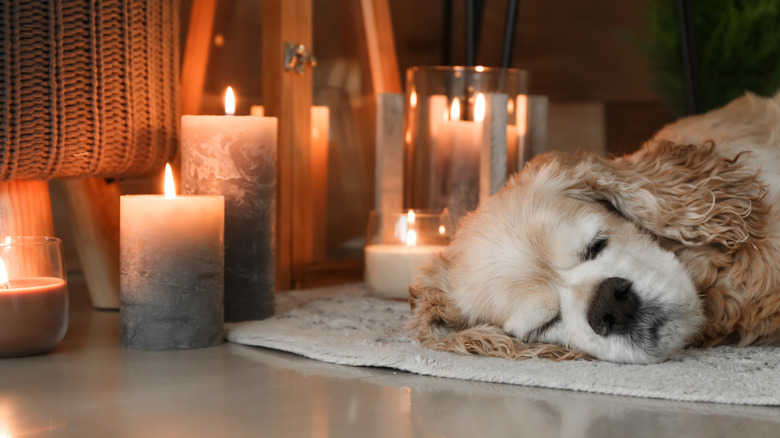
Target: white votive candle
{"points": [[390, 269]]}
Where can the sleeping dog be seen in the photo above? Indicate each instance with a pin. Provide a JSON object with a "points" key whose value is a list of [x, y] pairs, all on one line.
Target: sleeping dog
{"points": [[627, 260]]}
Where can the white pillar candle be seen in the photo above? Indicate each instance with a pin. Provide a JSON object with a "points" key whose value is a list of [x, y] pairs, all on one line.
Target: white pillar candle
{"points": [[521, 122], [320, 142], [235, 156], [171, 270], [438, 115], [459, 149]]}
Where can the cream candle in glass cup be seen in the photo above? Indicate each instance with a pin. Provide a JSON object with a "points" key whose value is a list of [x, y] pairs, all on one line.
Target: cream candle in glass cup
{"points": [[398, 244], [33, 295]]}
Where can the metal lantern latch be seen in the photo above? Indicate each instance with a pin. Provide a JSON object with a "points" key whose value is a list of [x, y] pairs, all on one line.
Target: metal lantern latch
{"points": [[296, 56]]}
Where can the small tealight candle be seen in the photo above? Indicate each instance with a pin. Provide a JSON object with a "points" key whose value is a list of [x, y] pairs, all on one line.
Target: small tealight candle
{"points": [[171, 270], [399, 244], [33, 295]]}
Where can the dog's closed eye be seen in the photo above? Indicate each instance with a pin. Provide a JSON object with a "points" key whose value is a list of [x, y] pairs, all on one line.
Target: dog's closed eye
{"points": [[594, 247]]}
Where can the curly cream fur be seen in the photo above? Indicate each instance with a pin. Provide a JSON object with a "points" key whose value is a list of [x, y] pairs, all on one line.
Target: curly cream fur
{"points": [[708, 202], [439, 325]]}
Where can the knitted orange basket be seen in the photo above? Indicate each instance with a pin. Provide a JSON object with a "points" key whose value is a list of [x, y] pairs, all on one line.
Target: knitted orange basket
{"points": [[88, 88]]}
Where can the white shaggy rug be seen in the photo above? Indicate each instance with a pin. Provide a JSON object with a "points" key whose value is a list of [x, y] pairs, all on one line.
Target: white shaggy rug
{"points": [[345, 325]]}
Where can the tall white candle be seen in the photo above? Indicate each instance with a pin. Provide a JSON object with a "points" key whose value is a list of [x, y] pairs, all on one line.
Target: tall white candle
{"points": [[320, 142], [171, 270], [459, 148], [521, 123]]}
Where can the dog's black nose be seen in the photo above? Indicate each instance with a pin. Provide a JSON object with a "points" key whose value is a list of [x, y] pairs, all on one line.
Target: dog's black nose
{"points": [[613, 307]]}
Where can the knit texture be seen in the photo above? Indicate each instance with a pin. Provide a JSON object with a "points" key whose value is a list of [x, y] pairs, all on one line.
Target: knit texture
{"points": [[345, 325], [88, 88]]}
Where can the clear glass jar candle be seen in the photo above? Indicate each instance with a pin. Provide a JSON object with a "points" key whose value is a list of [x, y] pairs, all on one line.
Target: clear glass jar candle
{"points": [[399, 244], [33, 295], [450, 115]]}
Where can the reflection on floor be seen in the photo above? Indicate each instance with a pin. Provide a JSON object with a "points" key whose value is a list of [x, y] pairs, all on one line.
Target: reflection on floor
{"points": [[90, 387]]}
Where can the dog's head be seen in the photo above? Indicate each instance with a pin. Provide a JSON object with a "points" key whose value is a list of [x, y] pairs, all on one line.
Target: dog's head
{"points": [[574, 254]]}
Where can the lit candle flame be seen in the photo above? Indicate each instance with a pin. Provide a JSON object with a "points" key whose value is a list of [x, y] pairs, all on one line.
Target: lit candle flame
{"points": [[411, 238], [170, 188], [410, 217], [3, 276], [442, 229], [230, 102], [455, 109], [479, 108], [413, 99], [479, 68]]}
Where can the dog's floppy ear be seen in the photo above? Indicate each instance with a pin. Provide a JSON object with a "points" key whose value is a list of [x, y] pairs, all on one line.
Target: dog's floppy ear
{"points": [[687, 193], [438, 324]]}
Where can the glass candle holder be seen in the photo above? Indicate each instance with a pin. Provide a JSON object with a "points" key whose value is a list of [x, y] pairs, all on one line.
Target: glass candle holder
{"points": [[451, 114], [398, 244], [33, 295]]}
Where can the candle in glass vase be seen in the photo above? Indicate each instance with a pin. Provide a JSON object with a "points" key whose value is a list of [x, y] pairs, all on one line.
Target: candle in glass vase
{"points": [[459, 149], [171, 270], [235, 156], [33, 296]]}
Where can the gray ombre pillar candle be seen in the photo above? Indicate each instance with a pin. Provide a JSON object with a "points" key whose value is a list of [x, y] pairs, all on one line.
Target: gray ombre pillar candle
{"points": [[235, 156], [171, 271]]}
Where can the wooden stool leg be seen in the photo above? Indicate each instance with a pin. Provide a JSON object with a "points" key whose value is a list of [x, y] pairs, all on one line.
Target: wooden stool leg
{"points": [[92, 207], [25, 209]]}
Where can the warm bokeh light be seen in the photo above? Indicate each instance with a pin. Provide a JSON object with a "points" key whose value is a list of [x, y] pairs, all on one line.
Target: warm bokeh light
{"points": [[455, 109], [230, 102], [413, 99], [410, 217], [411, 238], [479, 108], [170, 188], [3, 276], [442, 229]]}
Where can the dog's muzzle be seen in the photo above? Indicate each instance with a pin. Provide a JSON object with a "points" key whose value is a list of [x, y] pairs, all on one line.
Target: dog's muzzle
{"points": [[614, 307]]}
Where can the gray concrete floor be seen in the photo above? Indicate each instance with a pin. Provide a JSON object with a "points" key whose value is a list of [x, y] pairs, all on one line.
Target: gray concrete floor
{"points": [[90, 387]]}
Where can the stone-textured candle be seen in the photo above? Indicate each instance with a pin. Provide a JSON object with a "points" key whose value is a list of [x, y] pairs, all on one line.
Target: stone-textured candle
{"points": [[235, 156], [171, 271]]}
